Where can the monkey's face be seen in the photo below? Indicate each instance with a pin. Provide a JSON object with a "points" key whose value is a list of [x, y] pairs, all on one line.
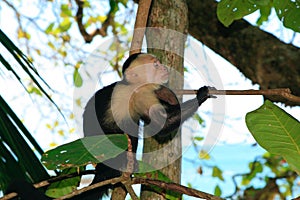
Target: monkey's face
{"points": [[147, 69], [157, 72]]}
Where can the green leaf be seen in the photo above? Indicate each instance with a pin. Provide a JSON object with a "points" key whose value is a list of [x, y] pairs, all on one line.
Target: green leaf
{"points": [[260, 2], [204, 155], [23, 34], [86, 150], [255, 168], [217, 172], [230, 10], [198, 138], [292, 20], [265, 12], [32, 89], [289, 13], [77, 78], [218, 191], [65, 11], [148, 171], [49, 28], [65, 24], [66, 186], [277, 132], [199, 119]]}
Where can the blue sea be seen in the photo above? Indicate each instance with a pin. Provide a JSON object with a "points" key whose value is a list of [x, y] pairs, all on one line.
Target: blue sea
{"points": [[232, 159]]}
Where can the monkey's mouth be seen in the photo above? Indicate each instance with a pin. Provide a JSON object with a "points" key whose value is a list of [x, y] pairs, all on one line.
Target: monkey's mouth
{"points": [[165, 75]]}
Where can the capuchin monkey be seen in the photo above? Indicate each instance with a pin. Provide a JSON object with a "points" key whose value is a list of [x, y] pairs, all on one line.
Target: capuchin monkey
{"points": [[119, 107], [140, 95]]}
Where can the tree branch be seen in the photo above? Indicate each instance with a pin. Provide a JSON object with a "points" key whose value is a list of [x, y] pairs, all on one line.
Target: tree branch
{"points": [[175, 187], [140, 26], [259, 55], [127, 181], [88, 37], [282, 92], [129, 170], [91, 187]]}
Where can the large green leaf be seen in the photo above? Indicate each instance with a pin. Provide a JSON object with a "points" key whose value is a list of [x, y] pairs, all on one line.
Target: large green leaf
{"points": [[277, 132], [289, 13], [86, 150], [230, 10]]}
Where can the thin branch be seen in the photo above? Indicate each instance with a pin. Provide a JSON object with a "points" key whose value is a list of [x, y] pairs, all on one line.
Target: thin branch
{"points": [[88, 37], [283, 92], [145, 181], [128, 186], [9, 196], [49, 181], [175, 187], [127, 181], [91, 187], [129, 170], [140, 26]]}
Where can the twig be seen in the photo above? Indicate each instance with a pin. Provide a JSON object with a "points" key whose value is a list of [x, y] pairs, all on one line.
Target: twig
{"points": [[91, 187], [130, 190], [175, 187], [88, 37], [49, 181], [283, 92], [129, 170], [145, 181], [140, 26], [9, 196]]}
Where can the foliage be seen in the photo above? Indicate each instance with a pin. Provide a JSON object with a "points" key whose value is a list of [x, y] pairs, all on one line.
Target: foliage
{"points": [[277, 132], [60, 188], [26, 65], [288, 11], [148, 171], [268, 176], [58, 35], [85, 151], [18, 160]]}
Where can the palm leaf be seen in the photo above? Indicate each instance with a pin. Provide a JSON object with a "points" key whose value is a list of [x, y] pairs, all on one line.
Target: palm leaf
{"points": [[18, 160], [25, 64]]}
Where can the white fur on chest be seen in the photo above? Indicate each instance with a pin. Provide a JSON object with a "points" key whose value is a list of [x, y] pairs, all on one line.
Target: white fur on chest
{"points": [[130, 102]]}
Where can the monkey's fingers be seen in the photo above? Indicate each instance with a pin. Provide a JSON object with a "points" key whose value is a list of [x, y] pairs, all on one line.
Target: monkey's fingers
{"points": [[211, 89]]}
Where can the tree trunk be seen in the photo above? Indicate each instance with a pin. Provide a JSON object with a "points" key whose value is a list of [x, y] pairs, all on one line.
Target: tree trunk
{"points": [[168, 46]]}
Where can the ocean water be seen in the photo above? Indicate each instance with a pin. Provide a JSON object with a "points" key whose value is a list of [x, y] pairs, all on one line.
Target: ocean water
{"points": [[232, 159]]}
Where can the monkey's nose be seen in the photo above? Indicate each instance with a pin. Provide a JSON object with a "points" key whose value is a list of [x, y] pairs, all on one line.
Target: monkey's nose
{"points": [[164, 68]]}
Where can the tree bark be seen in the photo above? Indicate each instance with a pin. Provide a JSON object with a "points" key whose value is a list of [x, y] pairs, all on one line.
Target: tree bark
{"points": [[260, 56], [169, 49]]}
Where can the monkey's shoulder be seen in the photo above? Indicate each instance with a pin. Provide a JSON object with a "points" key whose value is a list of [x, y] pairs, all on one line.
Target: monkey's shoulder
{"points": [[166, 95]]}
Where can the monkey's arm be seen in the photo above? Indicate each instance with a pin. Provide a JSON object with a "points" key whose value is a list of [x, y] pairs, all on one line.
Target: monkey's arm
{"points": [[164, 119]]}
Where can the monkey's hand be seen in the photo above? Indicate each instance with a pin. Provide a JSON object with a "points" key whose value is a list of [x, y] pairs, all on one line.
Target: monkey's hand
{"points": [[203, 94]]}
